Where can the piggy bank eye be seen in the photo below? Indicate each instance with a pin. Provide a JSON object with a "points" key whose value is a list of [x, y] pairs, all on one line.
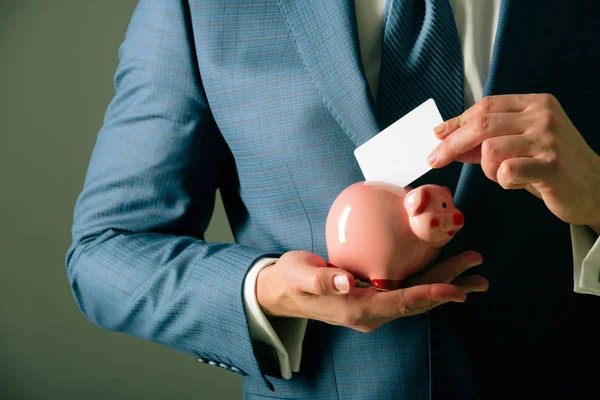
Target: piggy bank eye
{"points": [[444, 205]]}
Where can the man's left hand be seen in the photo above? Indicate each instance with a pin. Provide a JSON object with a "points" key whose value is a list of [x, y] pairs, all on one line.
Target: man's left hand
{"points": [[527, 141]]}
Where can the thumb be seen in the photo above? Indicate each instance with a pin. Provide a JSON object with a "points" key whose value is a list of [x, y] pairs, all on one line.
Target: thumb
{"points": [[311, 280]]}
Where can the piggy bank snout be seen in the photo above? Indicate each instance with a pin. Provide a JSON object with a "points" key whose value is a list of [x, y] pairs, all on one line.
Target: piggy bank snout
{"points": [[446, 221], [437, 226], [453, 219]]}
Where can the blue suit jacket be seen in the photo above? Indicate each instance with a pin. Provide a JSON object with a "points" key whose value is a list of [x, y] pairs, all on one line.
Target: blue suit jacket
{"points": [[266, 101]]}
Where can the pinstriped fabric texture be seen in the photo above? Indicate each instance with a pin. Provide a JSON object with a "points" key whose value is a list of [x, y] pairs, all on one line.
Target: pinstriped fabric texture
{"points": [[420, 59]]}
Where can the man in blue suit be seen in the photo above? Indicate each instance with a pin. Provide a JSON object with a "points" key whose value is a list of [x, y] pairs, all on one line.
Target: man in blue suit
{"points": [[266, 102]]}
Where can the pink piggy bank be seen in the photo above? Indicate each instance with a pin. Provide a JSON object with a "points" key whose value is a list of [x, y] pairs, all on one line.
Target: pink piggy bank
{"points": [[384, 233]]}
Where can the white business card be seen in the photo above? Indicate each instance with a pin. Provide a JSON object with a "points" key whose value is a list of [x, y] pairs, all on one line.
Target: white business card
{"points": [[398, 154]]}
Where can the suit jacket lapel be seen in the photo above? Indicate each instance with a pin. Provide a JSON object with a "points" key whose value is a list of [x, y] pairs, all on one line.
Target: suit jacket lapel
{"points": [[325, 35]]}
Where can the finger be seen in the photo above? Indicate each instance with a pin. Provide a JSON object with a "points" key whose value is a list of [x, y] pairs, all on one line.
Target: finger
{"points": [[447, 127], [474, 133], [516, 173], [414, 300], [449, 269], [472, 283], [306, 279], [487, 105], [496, 150], [472, 156]]}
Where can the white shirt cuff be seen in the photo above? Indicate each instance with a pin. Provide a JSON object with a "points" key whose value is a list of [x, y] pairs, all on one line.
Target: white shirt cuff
{"points": [[586, 260], [285, 335]]}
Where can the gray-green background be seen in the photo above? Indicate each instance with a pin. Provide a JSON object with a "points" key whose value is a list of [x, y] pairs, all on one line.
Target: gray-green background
{"points": [[57, 62]]}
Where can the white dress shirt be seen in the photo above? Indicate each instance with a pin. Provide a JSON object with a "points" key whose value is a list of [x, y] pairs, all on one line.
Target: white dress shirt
{"points": [[476, 21]]}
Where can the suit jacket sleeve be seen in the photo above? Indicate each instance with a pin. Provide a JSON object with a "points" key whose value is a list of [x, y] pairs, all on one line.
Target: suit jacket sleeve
{"points": [[138, 263]]}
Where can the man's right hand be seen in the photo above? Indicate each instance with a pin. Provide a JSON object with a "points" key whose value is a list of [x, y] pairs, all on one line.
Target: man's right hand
{"points": [[299, 285]]}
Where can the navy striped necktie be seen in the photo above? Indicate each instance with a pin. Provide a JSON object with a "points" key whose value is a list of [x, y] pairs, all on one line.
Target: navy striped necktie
{"points": [[420, 59]]}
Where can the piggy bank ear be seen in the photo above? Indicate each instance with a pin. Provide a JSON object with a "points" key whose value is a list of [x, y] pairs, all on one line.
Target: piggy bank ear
{"points": [[416, 201]]}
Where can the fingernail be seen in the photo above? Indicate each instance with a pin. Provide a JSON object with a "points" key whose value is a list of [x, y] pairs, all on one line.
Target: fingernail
{"points": [[341, 283], [433, 157], [440, 129]]}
